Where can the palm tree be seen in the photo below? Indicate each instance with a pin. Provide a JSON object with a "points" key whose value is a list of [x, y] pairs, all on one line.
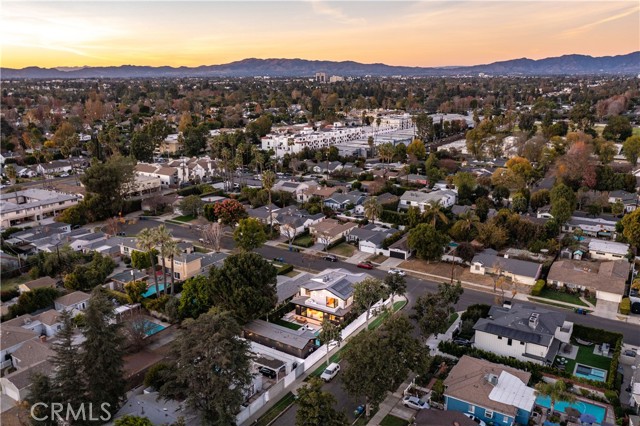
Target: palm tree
{"points": [[172, 250], [469, 221], [372, 208], [268, 180], [163, 239], [556, 392], [434, 213], [147, 242]]}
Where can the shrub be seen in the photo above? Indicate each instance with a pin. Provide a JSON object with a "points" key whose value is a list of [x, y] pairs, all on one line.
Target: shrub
{"points": [[154, 376], [538, 287], [337, 242], [393, 217], [285, 269], [119, 297], [392, 239], [625, 306], [7, 295]]}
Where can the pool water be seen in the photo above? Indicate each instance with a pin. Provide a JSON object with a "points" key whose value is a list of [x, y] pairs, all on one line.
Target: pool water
{"points": [[151, 328], [590, 373], [583, 407]]}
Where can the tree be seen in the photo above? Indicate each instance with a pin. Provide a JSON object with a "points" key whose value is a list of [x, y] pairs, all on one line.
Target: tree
{"points": [[268, 180], [618, 128], [196, 297], [315, 406], [617, 208], [142, 147], [229, 212], [107, 185], [386, 151], [434, 213], [507, 178], [249, 234], [465, 251], [129, 420], [492, 235], [194, 140], [142, 260], [191, 205], [424, 126], [245, 285], [134, 290], [519, 203], [561, 210], [631, 228], [164, 240], [563, 192], [555, 392], [427, 241], [368, 292], [417, 149], [540, 199], [378, 361], [10, 173], [329, 333], [432, 310], [396, 285], [147, 241], [212, 234], [136, 330], [631, 149], [102, 351], [211, 367], [66, 138], [67, 386], [372, 208]]}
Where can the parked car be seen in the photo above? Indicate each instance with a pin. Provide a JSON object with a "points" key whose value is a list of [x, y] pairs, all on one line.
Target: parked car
{"points": [[461, 342], [64, 175], [365, 265], [330, 258], [267, 372], [414, 402], [475, 419], [330, 372], [399, 272]]}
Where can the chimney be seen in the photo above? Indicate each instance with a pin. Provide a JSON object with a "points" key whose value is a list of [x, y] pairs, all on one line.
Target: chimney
{"points": [[533, 320], [43, 338]]}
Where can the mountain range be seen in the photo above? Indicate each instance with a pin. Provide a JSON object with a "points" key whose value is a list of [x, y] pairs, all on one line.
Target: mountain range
{"points": [[628, 64]]}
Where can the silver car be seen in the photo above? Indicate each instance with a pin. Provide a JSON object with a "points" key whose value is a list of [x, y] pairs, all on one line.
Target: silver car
{"points": [[415, 403]]}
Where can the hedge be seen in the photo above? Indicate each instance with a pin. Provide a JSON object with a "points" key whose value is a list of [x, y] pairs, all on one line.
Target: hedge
{"points": [[285, 269], [538, 287], [336, 243], [625, 306], [392, 239], [394, 217]]}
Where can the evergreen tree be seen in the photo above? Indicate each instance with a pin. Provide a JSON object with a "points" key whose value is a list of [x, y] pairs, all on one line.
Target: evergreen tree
{"points": [[101, 359], [315, 407], [68, 386]]}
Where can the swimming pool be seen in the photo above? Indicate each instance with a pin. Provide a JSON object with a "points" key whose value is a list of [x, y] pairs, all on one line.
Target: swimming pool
{"points": [[583, 407], [151, 328], [590, 373]]}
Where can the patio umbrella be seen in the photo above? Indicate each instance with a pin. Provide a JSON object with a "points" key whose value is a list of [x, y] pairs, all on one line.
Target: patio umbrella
{"points": [[570, 411], [588, 418]]}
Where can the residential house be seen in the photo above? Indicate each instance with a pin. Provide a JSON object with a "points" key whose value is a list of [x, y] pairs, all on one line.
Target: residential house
{"points": [[265, 214], [54, 168], [81, 241], [16, 385], [118, 281], [190, 265], [14, 336], [299, 343], [387, 198], [8, 155], [293, 221], [442, 418], [341, 201], [26, 172], [321, 192], [297, 189], [607, 278], [330, 167], [520, 271], [370, 238], [597, 227], [128, 246], [31, 353], [37, 283], [168, 175], [628, 199], [493, 393], [170, 145], [608, 250], [33, 205], [524, 332], [446, 198], [400, 249], [416, 179], [76, 301], [328, 295], [330, 231]]}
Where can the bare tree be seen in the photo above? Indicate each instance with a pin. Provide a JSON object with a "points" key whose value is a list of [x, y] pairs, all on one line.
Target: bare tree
{"points": [[289, 231], [325, 239], [212, 234], [113, 226], [137, 329]]}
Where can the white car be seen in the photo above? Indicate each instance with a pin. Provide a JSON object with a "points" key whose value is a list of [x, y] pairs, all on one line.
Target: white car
{"points": [[330, 372], [415, 403], [398, 272], [64, 175], [475, 419]]}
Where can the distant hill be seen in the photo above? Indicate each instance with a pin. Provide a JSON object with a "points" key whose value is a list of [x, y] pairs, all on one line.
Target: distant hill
{"points": [[563, 65]]}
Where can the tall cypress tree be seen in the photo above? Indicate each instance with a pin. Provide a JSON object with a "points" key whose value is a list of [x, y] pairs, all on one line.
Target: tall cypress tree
{"points": [[101, 359], [67, 385]]}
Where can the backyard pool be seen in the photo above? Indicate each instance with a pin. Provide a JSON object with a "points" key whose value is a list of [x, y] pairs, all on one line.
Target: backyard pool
{"points": [[583, 407], [151, 328], [590, 373]]}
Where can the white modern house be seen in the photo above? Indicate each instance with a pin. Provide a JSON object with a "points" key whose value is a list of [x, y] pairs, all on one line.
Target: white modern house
{"points": [[446, 198]]}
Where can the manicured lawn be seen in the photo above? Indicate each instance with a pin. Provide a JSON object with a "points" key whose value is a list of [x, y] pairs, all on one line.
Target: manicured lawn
{"points": [[9, 283], [396, 307], [287, 324], [557, 305], [377, 258], [303, 241], [185, 218], [274, 411], [199, 249], [343, 249], [587, 357], [390, 420], [561, 297]]}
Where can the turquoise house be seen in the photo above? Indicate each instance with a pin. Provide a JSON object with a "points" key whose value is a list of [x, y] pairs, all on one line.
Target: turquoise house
{"points": [[495, 393]]}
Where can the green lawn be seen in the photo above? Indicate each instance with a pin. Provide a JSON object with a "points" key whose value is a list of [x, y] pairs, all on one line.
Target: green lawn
{"points": [[9, 283], [390, 420], [452, 319], [185, 218], [274, 411], [587, 357], [303, 241], [636, 131], [561, 297], [396, 307], [287, 324], [343, 249], [199, 249], [557, 305]]}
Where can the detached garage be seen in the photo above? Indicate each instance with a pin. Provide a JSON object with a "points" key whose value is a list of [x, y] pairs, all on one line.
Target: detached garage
{"points": [[400, 249]]}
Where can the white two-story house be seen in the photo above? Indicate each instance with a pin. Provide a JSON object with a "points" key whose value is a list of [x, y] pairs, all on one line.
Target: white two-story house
{"points": [[446, 198], [524, 332]]}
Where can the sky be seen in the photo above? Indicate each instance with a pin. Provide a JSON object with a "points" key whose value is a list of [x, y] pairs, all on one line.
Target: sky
{"points": [[413, 33]]}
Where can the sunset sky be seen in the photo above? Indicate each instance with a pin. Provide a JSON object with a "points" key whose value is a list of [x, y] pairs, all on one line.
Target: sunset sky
{"points": [[424, 33]]}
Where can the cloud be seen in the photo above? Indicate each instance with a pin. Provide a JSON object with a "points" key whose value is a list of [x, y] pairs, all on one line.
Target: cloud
{"points": [[323, 8], [584, 28]]}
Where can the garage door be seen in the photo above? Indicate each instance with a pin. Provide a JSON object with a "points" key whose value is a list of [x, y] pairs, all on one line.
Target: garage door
{"points": [[397, 254]]}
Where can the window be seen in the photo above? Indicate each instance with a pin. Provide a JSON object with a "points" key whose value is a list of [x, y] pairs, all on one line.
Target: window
{"points": [[176, 275], [509, 342], [499, 337], [472, 409], [332, 302], [477, 267], [505, 419], [488, 414], [522, 343]]}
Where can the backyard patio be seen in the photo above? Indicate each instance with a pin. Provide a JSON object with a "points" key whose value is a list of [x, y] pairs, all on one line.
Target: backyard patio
{"points": [[583, 359]]}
